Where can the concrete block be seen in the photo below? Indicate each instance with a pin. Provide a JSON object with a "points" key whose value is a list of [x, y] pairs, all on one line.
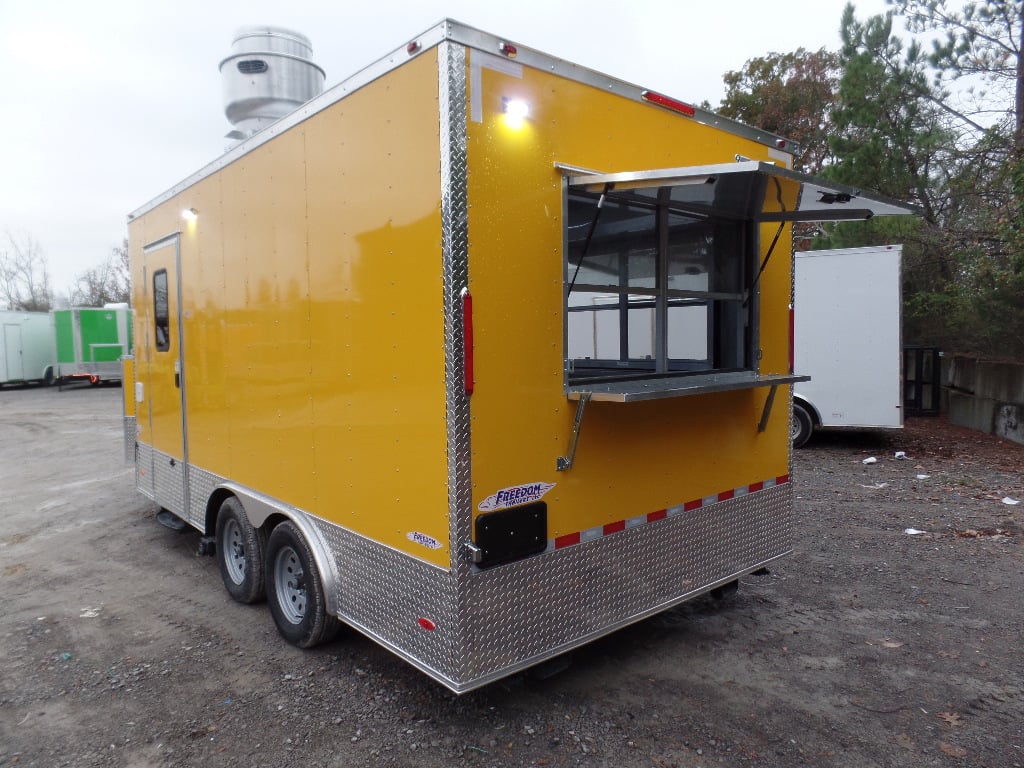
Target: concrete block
{"points": [[967, 410], [960, 373], [1009, 422], [999, 381]]}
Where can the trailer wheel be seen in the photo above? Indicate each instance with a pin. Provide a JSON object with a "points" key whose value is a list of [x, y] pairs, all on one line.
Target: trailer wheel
{"points": [[295, 591], [725, 591], [801, 427], [240, 549]]}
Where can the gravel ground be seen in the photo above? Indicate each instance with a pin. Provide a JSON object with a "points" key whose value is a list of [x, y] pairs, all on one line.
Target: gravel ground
{"points": [[869, 646]]}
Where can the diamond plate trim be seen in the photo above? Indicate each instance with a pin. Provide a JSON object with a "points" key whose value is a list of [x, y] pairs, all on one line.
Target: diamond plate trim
{"points": [[144, 470], [452, 61], [384, 593], [169, 483], [130, 436], [532, 610], [202, 484], [509, 617]]}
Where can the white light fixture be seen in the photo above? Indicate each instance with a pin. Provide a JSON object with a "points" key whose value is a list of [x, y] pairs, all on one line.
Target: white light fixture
{"points": [[516, 112], [190, 214]]}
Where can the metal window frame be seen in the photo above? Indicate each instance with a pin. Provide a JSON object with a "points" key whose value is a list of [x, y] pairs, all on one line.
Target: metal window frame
{"points": [[661, 364]]}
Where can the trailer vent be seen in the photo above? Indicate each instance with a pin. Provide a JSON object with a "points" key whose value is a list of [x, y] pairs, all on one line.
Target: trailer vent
{"points": [[252, 67], [269, 74]]}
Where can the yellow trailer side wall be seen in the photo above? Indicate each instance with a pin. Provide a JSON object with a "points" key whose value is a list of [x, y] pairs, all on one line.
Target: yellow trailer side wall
{"points": [[633, 458], [314, 322], [128, 385]]}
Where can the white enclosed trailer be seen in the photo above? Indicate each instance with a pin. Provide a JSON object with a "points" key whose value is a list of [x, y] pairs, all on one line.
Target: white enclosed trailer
{"points": [[26, 347], [847, 336]]}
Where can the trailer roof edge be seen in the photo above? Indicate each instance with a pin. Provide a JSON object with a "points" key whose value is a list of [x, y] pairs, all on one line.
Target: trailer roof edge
{"points": [[450, 30]]}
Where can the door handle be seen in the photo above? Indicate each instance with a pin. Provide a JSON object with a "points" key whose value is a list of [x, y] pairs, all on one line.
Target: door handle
{"points": [[177, 380]]}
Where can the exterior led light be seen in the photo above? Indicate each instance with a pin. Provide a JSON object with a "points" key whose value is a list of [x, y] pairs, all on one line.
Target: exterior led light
{"points": [[515, 112], [190, 214]]}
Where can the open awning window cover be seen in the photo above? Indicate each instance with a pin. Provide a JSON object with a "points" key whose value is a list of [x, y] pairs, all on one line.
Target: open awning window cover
{"points": [[751, 190]]}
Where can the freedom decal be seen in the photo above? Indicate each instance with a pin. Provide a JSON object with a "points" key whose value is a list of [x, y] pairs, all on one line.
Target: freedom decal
{"points": [[514, 496]]}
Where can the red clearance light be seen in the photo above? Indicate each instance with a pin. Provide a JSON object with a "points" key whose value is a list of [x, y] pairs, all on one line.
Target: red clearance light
{"points": [[412, 47], [780, 143], [664, 101], [467, 340], [508, 49], [427, 624]]}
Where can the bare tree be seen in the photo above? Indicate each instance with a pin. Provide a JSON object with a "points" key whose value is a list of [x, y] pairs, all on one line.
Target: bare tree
{"points": [[107, 282], [24, 276]]}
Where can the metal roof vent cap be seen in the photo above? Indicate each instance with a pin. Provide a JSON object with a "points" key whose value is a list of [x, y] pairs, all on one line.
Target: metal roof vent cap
{"points": [[269, 74]]}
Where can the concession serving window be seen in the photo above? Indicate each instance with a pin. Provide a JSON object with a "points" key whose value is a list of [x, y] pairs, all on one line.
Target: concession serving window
{"points": [[662, 271]]}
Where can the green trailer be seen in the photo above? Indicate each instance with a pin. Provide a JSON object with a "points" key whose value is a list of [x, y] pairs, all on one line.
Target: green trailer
{"points": [[91, 341]]}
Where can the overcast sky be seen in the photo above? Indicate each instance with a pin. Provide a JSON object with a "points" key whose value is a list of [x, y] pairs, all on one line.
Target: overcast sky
{"points": [[108, 103]]}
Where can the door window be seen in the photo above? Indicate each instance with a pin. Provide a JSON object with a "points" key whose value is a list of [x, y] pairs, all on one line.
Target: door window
{"points": [[161, 311]]}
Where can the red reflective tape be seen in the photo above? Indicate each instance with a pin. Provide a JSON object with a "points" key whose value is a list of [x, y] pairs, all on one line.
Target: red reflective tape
{"points": [[568, 540]]}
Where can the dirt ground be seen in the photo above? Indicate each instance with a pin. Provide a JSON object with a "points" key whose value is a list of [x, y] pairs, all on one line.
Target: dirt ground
{"points": [[869, 646]]}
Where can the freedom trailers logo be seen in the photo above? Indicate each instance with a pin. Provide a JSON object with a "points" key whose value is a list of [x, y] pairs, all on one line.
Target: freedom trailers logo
{"points": [[514, 496]]}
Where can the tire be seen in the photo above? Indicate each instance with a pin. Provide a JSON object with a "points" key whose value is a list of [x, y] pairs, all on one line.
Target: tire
{"points": [[240, 551], [801, 426], [295, 590], [725, 591]]}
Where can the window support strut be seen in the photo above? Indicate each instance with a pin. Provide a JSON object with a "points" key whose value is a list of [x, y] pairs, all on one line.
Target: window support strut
{"points": [[763, 424], [564, 463], [590, 234]]}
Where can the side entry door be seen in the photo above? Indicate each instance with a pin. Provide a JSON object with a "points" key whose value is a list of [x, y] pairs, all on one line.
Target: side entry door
{"points": [[165, 380], [13, 368]]}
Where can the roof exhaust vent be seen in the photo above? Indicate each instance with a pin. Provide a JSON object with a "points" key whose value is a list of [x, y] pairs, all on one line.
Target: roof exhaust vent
{"points": [[269, 74]]}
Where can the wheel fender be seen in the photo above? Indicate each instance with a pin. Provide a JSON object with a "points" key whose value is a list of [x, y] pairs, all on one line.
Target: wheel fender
{"points": [[810, 408], [259, 507]]}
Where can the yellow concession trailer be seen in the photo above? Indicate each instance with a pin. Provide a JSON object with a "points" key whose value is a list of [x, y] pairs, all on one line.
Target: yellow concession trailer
{"points": [[479, 352]]}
